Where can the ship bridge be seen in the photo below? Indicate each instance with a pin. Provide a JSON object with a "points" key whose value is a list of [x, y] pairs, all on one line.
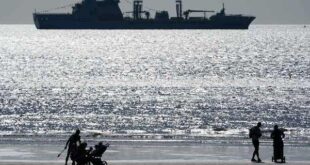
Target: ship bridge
{"points": [[98, 10]]}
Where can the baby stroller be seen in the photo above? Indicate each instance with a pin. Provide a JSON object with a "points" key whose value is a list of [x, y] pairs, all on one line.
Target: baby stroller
{"points": [[95, 156]]}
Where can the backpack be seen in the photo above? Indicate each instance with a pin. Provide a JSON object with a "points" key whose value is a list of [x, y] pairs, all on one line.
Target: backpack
{"points": [[251, 133]]}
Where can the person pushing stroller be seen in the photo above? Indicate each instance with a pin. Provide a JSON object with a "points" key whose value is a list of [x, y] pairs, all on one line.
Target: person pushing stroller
{"points": [[277, 135], [72, 143]]}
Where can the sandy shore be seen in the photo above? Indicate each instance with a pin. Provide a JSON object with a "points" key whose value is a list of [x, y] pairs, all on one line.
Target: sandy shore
{"points": [[151, 154], [158, 163]]}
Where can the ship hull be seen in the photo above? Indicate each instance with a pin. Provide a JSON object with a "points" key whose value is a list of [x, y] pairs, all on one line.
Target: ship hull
{"points": [[67, 21]]}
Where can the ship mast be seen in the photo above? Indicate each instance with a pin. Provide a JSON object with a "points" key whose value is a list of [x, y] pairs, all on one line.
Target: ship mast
{"points": [[137, 9], [223, 10], [179, 8]]}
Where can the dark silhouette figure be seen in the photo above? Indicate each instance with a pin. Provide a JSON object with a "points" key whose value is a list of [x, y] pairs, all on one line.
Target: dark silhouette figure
{"points": [[73, 153], [82, 154], [72, 144], [255, 134], [278, 145], [97, 154]]}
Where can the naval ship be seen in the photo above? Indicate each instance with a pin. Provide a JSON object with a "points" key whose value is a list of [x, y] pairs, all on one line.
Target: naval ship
{"points": [[106, 14]]}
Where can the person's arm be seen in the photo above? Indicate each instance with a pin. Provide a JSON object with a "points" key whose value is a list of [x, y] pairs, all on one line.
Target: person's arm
{"points": [[67, 143], [79, 140], [283, 135], [250, 133], [259, 133]]}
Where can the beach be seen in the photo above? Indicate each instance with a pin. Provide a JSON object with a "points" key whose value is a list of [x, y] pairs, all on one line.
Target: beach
{"points": [[156, 163], [154, 153]]}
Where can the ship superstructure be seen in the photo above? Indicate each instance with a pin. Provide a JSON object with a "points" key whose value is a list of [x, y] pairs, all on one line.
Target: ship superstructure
{"points": [[106, 14]]}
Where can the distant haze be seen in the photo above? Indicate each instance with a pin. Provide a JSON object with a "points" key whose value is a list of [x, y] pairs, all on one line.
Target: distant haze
{"points": [[266, 11]]}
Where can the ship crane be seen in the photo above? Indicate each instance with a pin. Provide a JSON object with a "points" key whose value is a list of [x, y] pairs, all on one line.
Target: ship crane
{"points": [[187, 12]]}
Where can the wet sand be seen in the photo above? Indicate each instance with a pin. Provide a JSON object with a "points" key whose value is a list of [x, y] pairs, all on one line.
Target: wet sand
{"points": [[158, 163], [153, 154]]}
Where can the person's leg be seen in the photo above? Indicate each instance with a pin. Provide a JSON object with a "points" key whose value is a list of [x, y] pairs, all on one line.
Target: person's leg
{"points": [[257, 152], [254, 152], [72, 156], [67, 157], [253, 159], [73, 161], [282, 148]]}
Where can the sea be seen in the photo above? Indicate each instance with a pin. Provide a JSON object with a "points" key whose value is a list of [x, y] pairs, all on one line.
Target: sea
{"points": [[164, 88]]}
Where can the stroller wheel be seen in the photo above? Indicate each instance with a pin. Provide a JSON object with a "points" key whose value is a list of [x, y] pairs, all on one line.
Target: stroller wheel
{"points": [[104, 163]]}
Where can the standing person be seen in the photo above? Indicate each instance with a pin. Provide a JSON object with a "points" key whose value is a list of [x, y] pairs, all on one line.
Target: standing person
{"points": [[72, 144], [277, 135], [82, 154], [255, 134]]}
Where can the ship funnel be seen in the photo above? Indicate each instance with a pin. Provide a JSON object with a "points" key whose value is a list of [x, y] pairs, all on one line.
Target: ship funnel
{"points": [[179, 8], [137, 9]]}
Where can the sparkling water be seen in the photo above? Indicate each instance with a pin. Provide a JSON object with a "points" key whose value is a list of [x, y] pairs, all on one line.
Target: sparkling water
{"points": [[168, 83]]}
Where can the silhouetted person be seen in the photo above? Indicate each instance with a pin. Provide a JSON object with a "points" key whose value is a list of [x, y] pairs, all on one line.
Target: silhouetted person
{"points": [[73, 153], [82, 155], [255, 134], [72, 144], [277, 135]]}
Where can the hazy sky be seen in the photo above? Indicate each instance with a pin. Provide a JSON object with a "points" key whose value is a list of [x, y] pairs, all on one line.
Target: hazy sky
{"points": [[266, 11]]}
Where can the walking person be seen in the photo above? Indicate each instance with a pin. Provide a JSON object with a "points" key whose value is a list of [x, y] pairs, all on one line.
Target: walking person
{"points": [[255, 134], [72, 143]]}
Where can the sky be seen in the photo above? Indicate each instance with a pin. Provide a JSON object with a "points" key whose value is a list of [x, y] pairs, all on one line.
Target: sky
{"points": [[266, 11]]}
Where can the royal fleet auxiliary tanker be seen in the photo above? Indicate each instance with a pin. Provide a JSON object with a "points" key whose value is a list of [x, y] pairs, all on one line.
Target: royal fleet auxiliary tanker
{"points": [[106, 14]]}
